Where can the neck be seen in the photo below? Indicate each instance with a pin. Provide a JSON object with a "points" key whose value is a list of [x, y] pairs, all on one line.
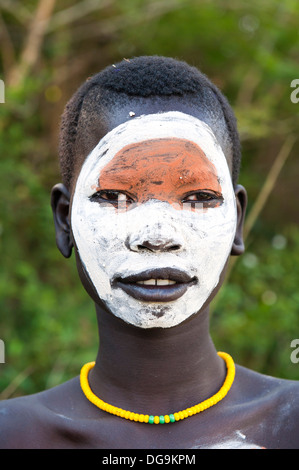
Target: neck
{"points": [[157, 370]]}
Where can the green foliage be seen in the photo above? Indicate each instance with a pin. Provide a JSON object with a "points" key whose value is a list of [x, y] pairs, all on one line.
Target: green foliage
{"points": [[41, 300], [256, 315]]}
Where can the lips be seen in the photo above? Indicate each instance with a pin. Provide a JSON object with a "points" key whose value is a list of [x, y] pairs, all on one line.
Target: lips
{"points": [[156, 285]]}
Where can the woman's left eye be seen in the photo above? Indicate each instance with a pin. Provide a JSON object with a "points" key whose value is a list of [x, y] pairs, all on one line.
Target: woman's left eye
{"points": [[200, 197], [204, 197]]}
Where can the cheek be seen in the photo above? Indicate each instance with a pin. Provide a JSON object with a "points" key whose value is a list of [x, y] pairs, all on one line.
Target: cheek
{"points": [[98, 234], [210, 237]]}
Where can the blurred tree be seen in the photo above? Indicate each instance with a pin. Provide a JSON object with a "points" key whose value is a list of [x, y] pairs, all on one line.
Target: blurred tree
{"points": [[47, 49]]}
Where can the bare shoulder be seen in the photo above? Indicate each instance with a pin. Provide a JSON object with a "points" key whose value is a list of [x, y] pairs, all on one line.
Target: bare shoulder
{"points": [[271, 406], [42, 420], [276, 389], [19, 419]]}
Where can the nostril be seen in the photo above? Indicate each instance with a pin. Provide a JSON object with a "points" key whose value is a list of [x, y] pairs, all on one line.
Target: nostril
{"points": [[142, 248], [146, 246], [174, 248]]}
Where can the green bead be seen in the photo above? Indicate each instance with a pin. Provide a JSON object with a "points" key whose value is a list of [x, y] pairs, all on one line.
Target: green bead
{"points": [[172, 418], [162, 420], [151, 419]]}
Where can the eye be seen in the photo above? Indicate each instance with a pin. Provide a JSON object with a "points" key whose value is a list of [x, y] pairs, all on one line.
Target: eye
{"points": [[111, 197], [207, 198]]}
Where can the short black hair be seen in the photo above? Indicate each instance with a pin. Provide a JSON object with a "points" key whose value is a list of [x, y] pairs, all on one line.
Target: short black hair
{"points": [[145, 77]]}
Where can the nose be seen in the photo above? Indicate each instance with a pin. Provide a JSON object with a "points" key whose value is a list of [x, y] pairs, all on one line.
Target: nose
{"points": [[156, 239]]}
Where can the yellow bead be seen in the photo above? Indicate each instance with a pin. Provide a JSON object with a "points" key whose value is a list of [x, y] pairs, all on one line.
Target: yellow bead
{"points": [[127, 415], [136, 417], [146, 418], [156, 420], [190, 411], [176, 416], [185, 413], [131, 416], [167, 419], [141, 418], [181, 415]]}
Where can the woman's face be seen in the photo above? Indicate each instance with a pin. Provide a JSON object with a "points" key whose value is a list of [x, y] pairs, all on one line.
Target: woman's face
{"points": [[154, 218]]}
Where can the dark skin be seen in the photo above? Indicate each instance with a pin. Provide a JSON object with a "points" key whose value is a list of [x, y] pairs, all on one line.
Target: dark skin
{"points": [[154, 371]]}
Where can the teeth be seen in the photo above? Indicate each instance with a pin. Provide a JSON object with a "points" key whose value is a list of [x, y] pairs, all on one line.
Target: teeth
{"points": [[150, 282], [164, 282], [157, 282]]}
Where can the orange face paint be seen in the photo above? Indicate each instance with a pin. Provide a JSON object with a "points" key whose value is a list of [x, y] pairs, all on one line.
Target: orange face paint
{"points": [[165, 169]]}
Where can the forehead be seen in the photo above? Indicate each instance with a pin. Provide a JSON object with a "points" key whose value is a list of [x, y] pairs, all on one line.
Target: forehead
{"points": [[95, 124], [159, 164], [170, 151], [178, 140]]}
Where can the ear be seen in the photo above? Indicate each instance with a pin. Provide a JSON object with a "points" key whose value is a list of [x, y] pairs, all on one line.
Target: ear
{"points": [[60, 202], [241, 200]]}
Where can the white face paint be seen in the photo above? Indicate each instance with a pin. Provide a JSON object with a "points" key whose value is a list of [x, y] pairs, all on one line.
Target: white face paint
{"points": [[112, 243]]}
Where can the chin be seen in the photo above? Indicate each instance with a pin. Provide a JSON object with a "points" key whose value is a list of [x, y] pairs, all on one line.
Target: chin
{"points": [[147, 315]]}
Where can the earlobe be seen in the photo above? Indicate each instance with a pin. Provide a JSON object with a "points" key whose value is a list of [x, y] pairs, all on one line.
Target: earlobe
{"points": [[241, 200], [60, 203]]}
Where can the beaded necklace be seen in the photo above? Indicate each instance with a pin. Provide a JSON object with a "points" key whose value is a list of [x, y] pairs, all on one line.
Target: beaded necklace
{"points": [[171, 418]]}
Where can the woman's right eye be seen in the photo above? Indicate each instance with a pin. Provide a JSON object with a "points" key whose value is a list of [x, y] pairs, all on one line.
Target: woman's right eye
{"points": [[111, 197]]}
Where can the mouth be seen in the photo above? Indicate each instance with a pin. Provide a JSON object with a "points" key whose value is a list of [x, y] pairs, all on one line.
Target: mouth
{"points": [[156, 285]]}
